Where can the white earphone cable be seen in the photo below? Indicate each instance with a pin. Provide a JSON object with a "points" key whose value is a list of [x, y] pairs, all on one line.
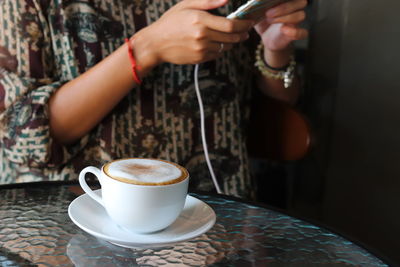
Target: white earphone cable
{"points": [[202, 128]]}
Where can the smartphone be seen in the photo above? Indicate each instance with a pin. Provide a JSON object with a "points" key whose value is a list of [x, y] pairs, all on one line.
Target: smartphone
{"points": [[254, 9]]}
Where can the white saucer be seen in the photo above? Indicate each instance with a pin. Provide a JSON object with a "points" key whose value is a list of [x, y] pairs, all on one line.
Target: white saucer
{"points": [[196, 218]]}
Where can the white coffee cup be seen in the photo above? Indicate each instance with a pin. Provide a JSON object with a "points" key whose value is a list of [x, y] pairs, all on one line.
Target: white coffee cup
{"points": [[135, 198]]}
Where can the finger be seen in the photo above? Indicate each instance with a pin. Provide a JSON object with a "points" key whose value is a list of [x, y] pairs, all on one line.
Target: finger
{"points": [[216, 47], [261, 26], [293, 18], [294, 33], [286, 8], [203, 4], [223, 24], [222, 37]]}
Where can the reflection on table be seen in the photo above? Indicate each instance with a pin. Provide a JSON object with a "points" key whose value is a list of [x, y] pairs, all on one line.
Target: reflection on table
{"points": [[35, 230]]}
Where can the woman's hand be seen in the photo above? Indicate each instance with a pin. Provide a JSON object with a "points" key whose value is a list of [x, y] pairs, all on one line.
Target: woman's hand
{"points": [[188, 34], [280, 28], [281, 25]]}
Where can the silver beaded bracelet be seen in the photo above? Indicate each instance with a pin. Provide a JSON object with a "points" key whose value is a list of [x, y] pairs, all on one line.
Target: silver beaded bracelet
{"points": [[287, 75]]}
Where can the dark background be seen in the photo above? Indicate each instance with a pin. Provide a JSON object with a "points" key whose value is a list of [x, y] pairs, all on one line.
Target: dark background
{"points": [[351, 179]]}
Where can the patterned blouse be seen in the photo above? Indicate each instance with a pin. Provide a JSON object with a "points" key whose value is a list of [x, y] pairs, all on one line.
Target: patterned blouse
{"points": [[46, 43]]}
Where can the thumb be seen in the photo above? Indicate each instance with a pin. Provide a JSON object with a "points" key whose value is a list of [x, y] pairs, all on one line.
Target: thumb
{"points": [[204, 4], [294, 32]]}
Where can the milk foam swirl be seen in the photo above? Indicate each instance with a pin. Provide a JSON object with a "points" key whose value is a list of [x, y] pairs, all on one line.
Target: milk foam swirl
{"points": [[145, 171]]}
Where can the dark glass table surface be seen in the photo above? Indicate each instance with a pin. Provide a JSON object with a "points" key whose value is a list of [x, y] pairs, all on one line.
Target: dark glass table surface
{"points": [[35, 230]]}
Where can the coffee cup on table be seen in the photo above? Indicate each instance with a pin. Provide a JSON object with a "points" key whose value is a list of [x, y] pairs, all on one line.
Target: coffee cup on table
{"points": [[140, 195]]}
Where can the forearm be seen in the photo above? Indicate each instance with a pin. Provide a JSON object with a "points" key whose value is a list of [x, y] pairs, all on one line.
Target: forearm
{"points": [[281, 26], [79, 105], [275, 87], [185, 34]]}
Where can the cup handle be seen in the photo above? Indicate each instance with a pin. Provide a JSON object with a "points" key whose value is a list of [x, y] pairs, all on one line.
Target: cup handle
{"points": [[85, 186]]}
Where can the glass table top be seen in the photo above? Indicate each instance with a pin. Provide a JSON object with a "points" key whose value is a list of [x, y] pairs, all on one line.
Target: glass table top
{"points": [[35, 230]]}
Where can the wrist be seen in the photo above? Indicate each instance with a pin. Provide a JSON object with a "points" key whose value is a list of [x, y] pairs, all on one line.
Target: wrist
{"points": [[145, 55], [278, 58], [285, 73]]}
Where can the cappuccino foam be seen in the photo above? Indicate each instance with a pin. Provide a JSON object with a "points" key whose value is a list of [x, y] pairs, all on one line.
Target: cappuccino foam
{"points": [[145, 171]]}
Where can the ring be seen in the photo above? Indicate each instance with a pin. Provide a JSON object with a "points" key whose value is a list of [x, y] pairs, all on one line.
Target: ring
{"points": [[221, 47]]}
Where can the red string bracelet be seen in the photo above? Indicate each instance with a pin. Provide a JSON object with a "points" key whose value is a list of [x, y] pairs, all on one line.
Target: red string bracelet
{"points": [[133, 62]]}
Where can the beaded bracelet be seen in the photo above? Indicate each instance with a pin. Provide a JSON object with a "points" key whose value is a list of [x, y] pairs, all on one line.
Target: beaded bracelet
{"points": [[133, 62], [286, 73]]}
